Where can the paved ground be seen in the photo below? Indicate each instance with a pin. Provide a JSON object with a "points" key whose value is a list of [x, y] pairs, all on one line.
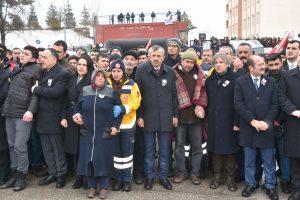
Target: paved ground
{"points": [[185, 191]]}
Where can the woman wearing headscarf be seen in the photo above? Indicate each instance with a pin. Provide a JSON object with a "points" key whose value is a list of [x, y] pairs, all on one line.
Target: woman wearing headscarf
{"points": [[130, 96], [80, 79], [94, 111]]}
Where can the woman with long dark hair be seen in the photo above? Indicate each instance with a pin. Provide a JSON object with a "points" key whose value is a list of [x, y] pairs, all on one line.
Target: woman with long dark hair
{"points": [[81, 78]]}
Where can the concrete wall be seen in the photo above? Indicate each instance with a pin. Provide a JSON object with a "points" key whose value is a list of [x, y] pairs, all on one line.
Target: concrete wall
{"points": [[278, 17]]}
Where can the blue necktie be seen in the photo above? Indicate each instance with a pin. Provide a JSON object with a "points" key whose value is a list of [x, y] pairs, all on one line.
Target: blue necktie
{"points": [[256, 83]]}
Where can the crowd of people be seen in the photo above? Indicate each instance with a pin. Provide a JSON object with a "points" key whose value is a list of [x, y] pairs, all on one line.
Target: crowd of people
{"points": [[102, 115], [215, 43], [130, 17]]}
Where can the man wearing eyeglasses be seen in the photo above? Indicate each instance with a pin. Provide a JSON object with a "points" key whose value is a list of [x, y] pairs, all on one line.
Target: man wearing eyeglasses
{"points": [[173, 57]]}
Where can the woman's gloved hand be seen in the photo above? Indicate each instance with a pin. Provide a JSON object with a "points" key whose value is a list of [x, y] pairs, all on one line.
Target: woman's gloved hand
{"points": [[117, 111]]}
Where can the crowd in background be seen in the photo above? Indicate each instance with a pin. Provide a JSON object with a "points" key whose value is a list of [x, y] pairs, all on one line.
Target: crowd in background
{"points": [[108, 115]]}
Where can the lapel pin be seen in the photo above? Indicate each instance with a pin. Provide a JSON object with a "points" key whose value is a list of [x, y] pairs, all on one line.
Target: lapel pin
{"points": [[226, 83], [263, 81], [195, 77]]}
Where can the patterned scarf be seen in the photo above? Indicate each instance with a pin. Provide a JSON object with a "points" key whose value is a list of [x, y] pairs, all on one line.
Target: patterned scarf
{"points": [[199, 97]]}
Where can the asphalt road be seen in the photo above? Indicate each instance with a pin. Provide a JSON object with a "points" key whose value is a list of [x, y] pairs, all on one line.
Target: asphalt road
{"points": [[184, 191]]}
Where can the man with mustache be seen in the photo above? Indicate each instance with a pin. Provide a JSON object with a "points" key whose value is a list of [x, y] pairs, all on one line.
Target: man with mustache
{"points": [[275, 67], [244, 51]]}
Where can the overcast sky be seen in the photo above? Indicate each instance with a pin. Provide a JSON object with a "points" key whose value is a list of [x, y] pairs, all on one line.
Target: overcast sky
{"points": [[207, 16]]}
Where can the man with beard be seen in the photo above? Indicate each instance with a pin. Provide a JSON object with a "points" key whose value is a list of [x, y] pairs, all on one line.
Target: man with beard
{"points": [[275, 71], [130, 60]]}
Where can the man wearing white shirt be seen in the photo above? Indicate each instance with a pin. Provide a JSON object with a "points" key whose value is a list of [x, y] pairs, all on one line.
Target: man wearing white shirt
{"points": [[292, 52]]}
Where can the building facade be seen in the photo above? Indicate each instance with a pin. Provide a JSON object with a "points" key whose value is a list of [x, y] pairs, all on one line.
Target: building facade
{"points": [[262, 18]]}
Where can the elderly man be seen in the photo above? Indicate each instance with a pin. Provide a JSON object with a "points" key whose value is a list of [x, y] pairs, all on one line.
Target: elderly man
{"points": [[158, 112], [255, 100], [130, 60], [192, 102], [51, 92]]}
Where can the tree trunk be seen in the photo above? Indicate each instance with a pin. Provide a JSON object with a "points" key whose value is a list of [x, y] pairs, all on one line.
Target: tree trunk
{"points": [[2, 24]]}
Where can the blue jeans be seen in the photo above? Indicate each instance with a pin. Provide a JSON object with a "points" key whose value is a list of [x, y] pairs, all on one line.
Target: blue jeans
{"points": [[103, 182], [150, 144], [268, 159]]}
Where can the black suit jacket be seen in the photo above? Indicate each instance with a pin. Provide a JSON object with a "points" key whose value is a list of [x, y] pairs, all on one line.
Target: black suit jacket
{"points": [[261, 105], [51, 93], [289, 100]]}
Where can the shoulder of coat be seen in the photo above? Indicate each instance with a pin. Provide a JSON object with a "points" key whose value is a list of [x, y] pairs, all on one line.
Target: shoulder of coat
{"points": [[88, 91]]}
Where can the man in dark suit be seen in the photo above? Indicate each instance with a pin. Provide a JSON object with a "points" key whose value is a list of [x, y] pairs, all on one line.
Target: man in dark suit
{"points": [[51, 93], [289, 100], [255, 101], [158, 112], [292, 52], [275, 71]]}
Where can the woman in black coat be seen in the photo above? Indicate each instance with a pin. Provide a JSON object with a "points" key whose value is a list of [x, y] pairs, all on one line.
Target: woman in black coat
{"points": [[4, 153], [80, 79], [221, 119]]}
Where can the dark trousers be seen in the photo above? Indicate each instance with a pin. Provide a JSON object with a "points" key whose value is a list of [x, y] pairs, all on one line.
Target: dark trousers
{"points": [[163, 145], [54, 154], [194, 131], [103, 182], [35, 150], [296, 174], [284, 162], [123, 159], [72, 162], [227, 163], [4, 164], [139, 152]]}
